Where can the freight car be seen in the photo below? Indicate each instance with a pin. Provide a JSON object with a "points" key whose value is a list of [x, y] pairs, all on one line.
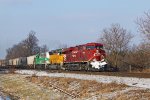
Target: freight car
{"points": [[22, 63], [10, 62], [30, 61], [88, 56], [2, 63], [15, 62]]}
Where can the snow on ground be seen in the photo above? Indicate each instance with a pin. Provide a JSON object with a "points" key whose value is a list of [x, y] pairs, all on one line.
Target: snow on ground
{"points": [[130, 81]]}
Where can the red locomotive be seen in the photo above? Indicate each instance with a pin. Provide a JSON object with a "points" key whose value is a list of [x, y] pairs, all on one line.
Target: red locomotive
{"points": [[90, 54]]}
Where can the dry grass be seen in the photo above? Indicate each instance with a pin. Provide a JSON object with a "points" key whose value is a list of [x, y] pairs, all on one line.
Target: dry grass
{"points": [[142, 71], [134, 95], [146, 71], [35, 88], [22, 89], [80, 88], [12, 71]]}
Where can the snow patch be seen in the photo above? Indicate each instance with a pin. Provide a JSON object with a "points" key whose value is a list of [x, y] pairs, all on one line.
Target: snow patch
{"points": [[130, 81]]}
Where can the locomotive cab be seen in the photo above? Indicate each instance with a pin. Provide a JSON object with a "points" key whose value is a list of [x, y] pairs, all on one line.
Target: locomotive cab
{"points": [[98, 59]]}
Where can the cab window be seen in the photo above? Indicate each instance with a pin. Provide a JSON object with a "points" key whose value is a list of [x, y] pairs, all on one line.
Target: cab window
{"points": [[37, 56], [99, 47], [90, 47], [43, 55]]}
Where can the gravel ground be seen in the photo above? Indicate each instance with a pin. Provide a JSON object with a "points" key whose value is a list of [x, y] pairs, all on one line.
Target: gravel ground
{"points": [[130, 81], [40, 85]]}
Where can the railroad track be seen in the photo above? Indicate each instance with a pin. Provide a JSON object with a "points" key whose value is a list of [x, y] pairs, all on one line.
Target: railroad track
{"points": [[121, 74], [73, 95], [50, 84]]}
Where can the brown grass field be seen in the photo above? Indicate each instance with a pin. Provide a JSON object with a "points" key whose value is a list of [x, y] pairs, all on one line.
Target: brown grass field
{"points": [[23, 87]]}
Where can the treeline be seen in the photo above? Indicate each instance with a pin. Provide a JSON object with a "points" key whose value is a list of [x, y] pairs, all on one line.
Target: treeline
{"points": [[26, 47], [120, 53]]}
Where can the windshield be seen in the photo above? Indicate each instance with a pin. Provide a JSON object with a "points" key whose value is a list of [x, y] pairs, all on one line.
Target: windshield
{"points": [[99, 47], [90, 47]]}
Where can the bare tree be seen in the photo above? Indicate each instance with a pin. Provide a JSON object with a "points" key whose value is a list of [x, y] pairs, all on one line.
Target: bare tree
{"points": [[144, 24], [9, 52], [31, 43], [44, 48], [139, 57], [116, 40], [144, 49], [26, 47], [144, 28]]}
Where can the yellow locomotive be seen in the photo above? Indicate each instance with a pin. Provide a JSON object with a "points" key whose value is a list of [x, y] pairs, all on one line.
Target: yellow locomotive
{"points": [[56, 57]]}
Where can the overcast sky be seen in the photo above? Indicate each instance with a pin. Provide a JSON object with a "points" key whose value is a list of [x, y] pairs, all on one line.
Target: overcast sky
{"points": [[69, 22]]}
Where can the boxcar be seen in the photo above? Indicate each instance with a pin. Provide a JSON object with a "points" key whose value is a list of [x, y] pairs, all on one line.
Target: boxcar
{"points": [[30, 60]]}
